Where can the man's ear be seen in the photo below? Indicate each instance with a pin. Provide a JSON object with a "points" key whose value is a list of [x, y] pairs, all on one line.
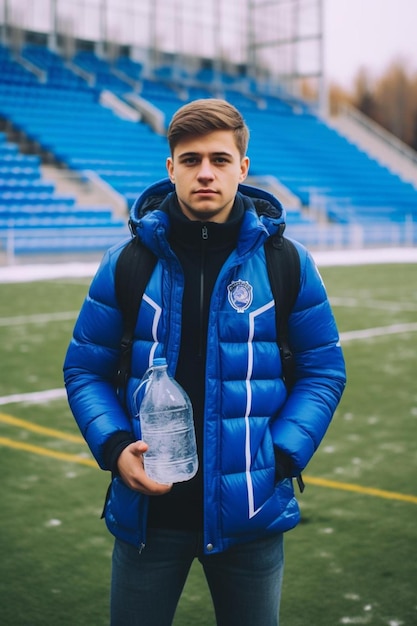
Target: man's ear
{"points": [[170, 169], [244, 168]]}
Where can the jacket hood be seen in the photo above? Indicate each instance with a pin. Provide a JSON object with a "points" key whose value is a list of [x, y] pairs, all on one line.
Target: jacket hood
{"points": [[268, 208]]}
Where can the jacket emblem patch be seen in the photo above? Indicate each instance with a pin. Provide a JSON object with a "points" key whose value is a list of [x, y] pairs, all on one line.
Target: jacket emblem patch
{"points": [[240, 295]]}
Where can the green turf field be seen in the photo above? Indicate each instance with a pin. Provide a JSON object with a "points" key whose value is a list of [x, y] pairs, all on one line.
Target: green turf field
{"points": [[351, 561]]}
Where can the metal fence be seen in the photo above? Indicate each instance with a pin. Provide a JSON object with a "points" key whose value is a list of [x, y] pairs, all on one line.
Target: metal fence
{"points": [[278, 39], [355, 236], [17, 244]]}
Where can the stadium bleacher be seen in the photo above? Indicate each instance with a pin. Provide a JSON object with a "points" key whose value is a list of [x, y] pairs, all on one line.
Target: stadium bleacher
{"points": [[57, 74], [314, 161], [100, 70], [29, 205], [72, 126], [63, 116]]}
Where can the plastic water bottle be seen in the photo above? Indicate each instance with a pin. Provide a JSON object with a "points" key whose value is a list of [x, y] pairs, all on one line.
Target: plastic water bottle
{"points": [[167, 426]]}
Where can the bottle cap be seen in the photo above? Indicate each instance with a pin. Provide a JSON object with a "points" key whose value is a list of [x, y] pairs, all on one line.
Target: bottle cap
{"points": [[159, 361]]}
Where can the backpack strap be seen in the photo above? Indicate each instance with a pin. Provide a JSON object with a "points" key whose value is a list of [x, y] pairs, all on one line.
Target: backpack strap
{"points": [[283, 263], [133, 271]]}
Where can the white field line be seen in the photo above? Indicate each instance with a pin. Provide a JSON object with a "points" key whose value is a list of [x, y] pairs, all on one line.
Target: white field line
{"points": [[384, 305], [62, 316], [35, 397], [40, 397], [378, 331], [39, 318]]}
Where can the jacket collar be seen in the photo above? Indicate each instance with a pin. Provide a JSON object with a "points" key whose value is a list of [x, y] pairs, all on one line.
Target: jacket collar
{"points": [[149, 216]]}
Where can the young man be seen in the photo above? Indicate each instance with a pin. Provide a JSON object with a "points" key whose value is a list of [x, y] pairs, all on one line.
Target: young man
{"points": [[209, 309]]}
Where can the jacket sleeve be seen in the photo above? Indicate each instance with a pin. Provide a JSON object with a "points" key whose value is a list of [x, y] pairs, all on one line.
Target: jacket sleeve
{"points": [[320, 371], [90, 365]]}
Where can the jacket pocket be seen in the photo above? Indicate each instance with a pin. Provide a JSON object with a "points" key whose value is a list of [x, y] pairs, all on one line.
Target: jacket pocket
{"points": [[125, 512]]}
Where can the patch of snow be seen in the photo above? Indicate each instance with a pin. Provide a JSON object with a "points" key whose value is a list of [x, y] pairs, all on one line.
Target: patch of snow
{"points": [[53, 522]]}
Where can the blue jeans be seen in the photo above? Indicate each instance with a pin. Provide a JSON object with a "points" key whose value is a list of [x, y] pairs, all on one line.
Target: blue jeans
{"points": [[244, 582]]}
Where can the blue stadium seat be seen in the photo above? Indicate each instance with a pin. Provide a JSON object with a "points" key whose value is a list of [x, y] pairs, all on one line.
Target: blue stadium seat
{"points": [[30, 210]]}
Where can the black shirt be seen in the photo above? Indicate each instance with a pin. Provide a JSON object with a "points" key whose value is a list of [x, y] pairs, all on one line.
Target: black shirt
{"points": [[202, 249]]}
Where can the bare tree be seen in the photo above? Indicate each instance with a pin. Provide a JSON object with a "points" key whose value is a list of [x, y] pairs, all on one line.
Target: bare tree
{"points": [[337, 97], [393, 94], [364, 98], [390, 100]]}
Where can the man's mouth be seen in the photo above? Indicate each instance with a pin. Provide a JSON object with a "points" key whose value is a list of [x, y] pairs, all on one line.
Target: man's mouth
{"points": [[204, 192]]}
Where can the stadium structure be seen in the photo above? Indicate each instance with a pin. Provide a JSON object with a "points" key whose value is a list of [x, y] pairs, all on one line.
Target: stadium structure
{"points": [[88, 87]]}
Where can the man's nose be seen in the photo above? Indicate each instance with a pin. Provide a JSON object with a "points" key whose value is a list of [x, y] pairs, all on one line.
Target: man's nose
{"points": [[206, 170]]}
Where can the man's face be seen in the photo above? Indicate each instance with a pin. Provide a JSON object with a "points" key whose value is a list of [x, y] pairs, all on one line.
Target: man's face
{"points": [[206, 172]]}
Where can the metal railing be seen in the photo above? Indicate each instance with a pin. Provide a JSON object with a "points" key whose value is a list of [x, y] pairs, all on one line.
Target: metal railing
{"points": [[354, 235], [19, 242], [49, 241], [378, 131]]}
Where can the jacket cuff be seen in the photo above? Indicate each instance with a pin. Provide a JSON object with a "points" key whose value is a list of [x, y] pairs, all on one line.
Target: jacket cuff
{"points": [[113, 448], [283, 465]]}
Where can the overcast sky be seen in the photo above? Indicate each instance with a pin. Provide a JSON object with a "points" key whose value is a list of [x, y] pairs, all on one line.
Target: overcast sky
{"points": [[368, 33]]}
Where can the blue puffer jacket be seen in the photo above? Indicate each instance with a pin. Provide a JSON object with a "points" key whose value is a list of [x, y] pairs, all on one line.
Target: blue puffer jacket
{"points": [[247, 411]]}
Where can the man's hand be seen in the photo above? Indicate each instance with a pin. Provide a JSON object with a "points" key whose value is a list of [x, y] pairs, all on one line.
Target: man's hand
{"points": [[130, 466]]}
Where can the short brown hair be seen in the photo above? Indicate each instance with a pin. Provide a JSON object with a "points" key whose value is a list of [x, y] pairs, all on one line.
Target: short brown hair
{"points": [[201, 117]]}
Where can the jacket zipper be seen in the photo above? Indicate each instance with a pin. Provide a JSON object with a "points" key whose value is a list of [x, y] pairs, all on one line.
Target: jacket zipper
{"points": [[204, 238]]}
